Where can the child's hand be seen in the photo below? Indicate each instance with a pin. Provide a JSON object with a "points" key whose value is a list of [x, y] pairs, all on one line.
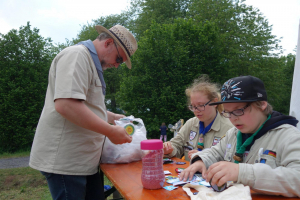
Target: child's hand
{"points": [[221, 172], [168, 147], [189, 172], [191, 152]]}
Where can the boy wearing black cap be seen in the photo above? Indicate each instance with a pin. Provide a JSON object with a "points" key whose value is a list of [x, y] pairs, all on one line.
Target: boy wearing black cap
{"points": [[261, 151]]}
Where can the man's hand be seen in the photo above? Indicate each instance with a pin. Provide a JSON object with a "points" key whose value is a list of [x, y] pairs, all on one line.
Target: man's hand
{"points": [[119, 136], [221, 172], [118, 116], [78, 113], [168, 148], [192, 152], [111, 117], [189, 172]]}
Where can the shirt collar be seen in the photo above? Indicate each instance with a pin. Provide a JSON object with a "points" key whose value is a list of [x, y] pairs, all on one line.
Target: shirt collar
{"points": [[203, 129], [89, 44]]}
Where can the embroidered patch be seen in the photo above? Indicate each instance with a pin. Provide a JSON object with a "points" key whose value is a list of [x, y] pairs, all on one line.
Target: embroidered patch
{"points": [[192, 135], [263, 160], [270, 153], [216, 141], [245, 155]]}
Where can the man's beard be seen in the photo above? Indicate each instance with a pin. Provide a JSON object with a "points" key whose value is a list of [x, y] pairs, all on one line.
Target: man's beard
{"points": [[104, 65]]}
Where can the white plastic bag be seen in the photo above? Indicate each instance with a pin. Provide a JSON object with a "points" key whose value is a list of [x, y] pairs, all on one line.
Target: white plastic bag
{"points": [[235, 192], [128, 152]]}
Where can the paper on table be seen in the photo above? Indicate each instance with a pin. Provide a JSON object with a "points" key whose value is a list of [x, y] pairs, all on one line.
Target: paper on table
{"points": [[167, 172]]}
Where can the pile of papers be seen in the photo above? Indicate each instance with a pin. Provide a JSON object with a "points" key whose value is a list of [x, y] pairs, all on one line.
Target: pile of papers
{"points": [[196, 180]]}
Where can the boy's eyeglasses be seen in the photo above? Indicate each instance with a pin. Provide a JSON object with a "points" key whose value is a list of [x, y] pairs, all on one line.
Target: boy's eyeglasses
{"points": [[237, 112], [199, 108], [119, 58]]}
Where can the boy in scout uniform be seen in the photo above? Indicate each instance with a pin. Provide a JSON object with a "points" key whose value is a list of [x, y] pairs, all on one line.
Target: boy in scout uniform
{"points": [[261, 151]]}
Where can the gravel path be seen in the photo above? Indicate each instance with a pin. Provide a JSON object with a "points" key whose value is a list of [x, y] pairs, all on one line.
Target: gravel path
{"points": [[14, 162]]}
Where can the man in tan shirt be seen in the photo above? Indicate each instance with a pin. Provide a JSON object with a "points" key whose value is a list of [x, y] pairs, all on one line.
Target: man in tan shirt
{"points": [[74, 122]]}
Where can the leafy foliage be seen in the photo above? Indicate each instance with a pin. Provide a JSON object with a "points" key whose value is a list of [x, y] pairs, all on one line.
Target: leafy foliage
{"points": [[178, 41], [25, 58], [245, 33], [234, 39], [161, 11], [169, 57], [280, 87]]}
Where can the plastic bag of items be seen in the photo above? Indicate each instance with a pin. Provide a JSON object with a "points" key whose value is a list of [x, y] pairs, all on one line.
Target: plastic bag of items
{"points": [[127, 152]]}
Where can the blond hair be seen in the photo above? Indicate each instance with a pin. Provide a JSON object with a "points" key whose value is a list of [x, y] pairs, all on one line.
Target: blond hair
{"points": [[203, 84], [267, 111]]}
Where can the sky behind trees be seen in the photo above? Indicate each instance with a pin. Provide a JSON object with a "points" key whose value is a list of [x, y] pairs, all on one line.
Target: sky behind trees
{"points": [[62, 20]]}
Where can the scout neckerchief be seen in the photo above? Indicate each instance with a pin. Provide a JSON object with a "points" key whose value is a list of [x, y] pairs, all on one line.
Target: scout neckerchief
{"points": [[89, 44], [202, 131], [240, 148]]}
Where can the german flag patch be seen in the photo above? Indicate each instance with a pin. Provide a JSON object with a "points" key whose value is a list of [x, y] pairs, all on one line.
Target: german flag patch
{"points": [[270, 153]]}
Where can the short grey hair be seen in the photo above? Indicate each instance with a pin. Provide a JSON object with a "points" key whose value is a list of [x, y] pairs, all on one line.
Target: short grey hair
{"points": [[104, 36]]}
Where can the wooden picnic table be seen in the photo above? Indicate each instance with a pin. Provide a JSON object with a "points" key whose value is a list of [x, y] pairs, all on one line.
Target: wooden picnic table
{"points": [[126, 178]]}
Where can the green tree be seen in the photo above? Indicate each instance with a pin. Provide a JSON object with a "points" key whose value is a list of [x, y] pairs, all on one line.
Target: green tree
{"points": [[245, 32], [161, 11], [25, 58], [169, 57], [248, 46], [243, 45], [284, 83]]}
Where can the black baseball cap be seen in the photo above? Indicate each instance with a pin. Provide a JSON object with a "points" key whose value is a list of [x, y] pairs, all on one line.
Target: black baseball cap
{"points": [[242, 89]]}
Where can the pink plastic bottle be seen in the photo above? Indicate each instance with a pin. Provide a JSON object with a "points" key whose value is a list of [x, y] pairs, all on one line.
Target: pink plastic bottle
{"points": [[153, 176]]}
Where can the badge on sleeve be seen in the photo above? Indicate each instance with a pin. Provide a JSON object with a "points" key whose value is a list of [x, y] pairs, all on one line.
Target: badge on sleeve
{"points": [[192, 135], [262, 160], [245, 155], [216, 141], [270, 153]]}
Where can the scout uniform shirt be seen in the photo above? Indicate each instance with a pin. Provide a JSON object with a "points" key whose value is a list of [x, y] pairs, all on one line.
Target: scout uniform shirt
{"points": [[189, 135], [272, 165], [59, 145]]}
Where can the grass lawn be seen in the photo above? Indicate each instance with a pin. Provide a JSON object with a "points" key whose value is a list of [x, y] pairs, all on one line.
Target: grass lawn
{"points": [[15, 155], [25, 183]]}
